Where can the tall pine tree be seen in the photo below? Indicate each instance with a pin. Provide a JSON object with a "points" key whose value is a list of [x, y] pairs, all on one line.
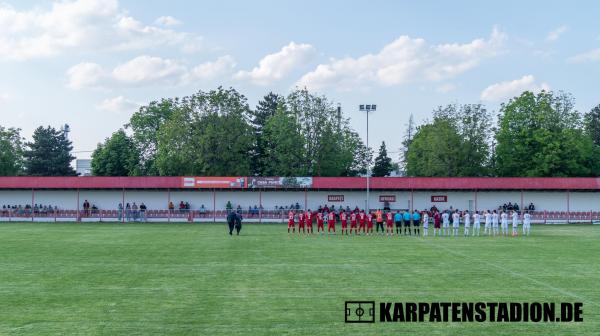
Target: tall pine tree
{"points": [[383, 164], [49, 154]]}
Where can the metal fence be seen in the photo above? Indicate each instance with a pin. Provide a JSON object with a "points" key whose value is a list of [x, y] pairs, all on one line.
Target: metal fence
{"points": [[255, 215]]}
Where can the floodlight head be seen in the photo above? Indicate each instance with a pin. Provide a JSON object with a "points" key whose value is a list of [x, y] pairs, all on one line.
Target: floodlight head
{"points": [[373, 107], [368, 107], [361, 107]]}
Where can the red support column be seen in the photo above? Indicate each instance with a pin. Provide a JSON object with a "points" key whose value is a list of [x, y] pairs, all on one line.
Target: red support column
{"points": [[77, 216], [214, 206], [168, 203], [568, 206], [123, 200], [32, 202], [260, 205]]}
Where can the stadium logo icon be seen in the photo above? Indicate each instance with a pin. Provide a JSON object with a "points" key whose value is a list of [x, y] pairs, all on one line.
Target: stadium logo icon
{"points": [[359, 312]]}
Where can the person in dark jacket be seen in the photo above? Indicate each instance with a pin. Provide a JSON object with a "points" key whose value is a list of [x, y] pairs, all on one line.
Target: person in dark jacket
{"points": [[238, 223], [231, 220]]}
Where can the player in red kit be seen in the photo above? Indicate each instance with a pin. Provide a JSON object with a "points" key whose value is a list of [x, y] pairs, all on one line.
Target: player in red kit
{"points": [[353, 223], [291, 222], [362, 219], [331, 222], [320, 227], [309, 221], [369, 223], [301, 222], [344, 219], [389, 220]]}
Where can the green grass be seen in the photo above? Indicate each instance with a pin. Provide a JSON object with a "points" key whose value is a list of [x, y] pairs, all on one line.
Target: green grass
{"points": [[194, 279]]}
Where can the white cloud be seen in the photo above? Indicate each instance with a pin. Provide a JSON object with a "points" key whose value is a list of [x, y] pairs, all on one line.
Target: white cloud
{"points": [[404, 60], [118, 105], [81, 26], [85, 74], [445, 88], [147, 70], [274, 67], [167, 21], [588, 56], [556, 33], [4, 98], [505, 90]]}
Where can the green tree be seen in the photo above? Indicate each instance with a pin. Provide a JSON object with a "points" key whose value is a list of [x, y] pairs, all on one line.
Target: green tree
{"points": [[209, 134], [11, 152], [283, 146], [434, 150], [49, 154], [383, 164], [145, 124], [117, 156], [266, 108], [543, 135], [406, 141], [592, 124]]}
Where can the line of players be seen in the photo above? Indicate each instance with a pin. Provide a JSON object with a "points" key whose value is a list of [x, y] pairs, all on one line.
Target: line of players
{"points": [[363, 222]]}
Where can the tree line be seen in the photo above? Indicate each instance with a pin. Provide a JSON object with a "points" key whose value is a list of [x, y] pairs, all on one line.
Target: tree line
{"points": [[217, 133]]}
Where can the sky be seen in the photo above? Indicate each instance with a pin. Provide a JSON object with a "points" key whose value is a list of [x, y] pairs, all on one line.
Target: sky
{"points": [[92, 63]]}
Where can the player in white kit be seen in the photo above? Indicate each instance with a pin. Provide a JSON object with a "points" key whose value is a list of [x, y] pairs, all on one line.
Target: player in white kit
{"points": [[455, 223], [495, 222], [446, 223], [526, 223], [515, 223], [467, 220], [476, 223], [488, 222], [504, 221], [425, 223]]}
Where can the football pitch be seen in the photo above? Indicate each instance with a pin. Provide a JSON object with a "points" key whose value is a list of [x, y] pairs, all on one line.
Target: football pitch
{"points": [[195, 279]]}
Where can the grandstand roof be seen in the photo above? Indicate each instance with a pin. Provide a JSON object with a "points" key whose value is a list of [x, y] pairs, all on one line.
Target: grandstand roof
{"points": [[329, 183]]}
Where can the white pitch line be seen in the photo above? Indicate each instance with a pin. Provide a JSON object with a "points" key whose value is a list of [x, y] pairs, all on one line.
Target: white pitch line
{"points": [[517, 274]]}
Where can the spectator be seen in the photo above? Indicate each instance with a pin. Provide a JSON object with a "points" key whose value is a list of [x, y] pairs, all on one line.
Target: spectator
{"points": [[516, 207], [171, 207], [143, 212], [297, 206], [239, 209], [531, 207], [120, 211], [128, 212], [228, 206], [134, 210], [181, 207], [202, 210], [187, 206]]}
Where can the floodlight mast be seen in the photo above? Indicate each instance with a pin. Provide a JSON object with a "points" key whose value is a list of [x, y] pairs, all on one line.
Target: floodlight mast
{"points": [[368, 108]]}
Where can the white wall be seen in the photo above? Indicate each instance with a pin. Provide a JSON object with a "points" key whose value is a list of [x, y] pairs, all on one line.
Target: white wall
{"points": [[158, 199]]}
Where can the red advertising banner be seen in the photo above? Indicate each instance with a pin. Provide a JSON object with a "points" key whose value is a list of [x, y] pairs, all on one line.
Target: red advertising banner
{"points": [[335, 198], [387, 198], [439, 198], [225, 182]]}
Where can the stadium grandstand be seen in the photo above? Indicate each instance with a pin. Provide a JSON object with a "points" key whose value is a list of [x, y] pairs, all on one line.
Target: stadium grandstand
{"points": [[268, 199]]}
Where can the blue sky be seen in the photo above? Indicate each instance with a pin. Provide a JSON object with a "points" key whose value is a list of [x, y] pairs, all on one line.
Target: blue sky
{"points": [[90, 63]]}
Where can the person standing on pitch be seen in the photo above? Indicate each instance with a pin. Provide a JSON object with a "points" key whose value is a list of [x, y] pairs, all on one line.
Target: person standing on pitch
{"points": [[231, 217], [488, 223], [344, 220], [370, 219], [446, 222], [238, 223], [515, 223], [379, 217], [406, 218], [425, 223], [331, 222], [301, 222], [416, 217], [455, 223], [476, 223], [398, 220], [437, 219], [495, 222], [320, 220], [309, 221], [467, 220], [504, 221], [526, 224], [353, 223], [389, 221], [290, 221]]}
